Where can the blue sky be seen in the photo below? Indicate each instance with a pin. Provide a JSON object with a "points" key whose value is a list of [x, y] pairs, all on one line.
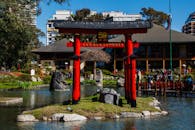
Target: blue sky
{"points": [[180, 9]]}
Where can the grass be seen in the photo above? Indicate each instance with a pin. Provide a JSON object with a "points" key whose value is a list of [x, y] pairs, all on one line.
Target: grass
{"points": [[20, 84], [8, 85], [91, 109], [110, 83]]}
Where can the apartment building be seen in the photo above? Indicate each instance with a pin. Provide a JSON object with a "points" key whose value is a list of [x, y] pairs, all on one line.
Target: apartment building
{"points": [[120, 16], [51, 31], [189, 27]]}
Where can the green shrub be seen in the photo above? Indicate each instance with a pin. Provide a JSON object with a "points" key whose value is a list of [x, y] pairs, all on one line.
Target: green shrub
{"points": [[89, 82], [47, 79], [106, 72], [109, 82], [24, 85], [69, 81], [7, 79]]}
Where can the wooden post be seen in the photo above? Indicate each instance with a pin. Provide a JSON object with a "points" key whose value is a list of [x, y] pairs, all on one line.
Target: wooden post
{"points": [[163, 64]]}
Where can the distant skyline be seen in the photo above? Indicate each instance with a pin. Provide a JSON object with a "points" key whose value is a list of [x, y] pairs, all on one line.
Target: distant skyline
{"points": [[180, 9]]}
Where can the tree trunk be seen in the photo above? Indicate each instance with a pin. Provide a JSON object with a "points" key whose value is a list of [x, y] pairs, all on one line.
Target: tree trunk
{"points": [[94, 70]]}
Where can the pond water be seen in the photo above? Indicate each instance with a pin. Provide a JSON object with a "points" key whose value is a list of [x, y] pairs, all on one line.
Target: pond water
{"points": [[181, 113]]}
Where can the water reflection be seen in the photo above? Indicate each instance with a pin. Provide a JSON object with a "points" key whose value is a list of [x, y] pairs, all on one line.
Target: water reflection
{"points": [[181, 113], [77, 125]]}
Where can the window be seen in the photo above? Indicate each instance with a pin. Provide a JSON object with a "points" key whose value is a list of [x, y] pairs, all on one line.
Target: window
{"points": [[50, 25]]}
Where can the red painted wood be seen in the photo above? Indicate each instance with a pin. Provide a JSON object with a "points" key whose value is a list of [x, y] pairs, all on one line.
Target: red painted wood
{"points": [[76, 72], [102, 45], [133, 79], [136, 45], [129, 52]]}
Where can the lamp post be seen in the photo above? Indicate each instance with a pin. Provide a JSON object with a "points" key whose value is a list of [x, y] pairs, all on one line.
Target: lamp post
{"points": [[170, 38]]}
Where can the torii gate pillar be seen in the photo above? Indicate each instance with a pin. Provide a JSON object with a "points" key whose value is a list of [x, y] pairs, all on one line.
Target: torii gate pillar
{"points": [[133, 82], [76, 71], [130, 71]]}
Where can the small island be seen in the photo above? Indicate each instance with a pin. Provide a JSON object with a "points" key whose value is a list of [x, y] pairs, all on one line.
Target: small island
{"points": [[89, 109]]}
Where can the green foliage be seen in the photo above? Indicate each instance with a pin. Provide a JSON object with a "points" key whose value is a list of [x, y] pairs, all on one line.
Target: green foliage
{"points": [[157, 17], [89, 82], [36, 83], [47, 79], [106, 72], [68, 81], [109, 82], [7, 79], [84, 15], [24, 85], [17, 36]]}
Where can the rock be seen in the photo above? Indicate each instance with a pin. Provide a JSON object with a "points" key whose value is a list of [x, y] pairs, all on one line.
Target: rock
{"points": [[26, 118], [130, 114], [108, 95], [39, 79], [158, 108], [116, 116], [45, 118], [57, 81], [73, 117], [82, 79], [57, 116], [49, 119], [67, 117], [98, 118], [155, 113], [99, 78], [146, 113], [120, 82], [164, 112], [154, 103], [34, 79]]}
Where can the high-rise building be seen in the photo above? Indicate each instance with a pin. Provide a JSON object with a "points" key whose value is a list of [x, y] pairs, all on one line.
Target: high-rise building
{"points": [[189, 26], [51, 31]]}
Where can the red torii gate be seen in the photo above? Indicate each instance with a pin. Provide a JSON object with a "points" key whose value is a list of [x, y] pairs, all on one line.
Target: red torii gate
{"points": [[128, 28]]}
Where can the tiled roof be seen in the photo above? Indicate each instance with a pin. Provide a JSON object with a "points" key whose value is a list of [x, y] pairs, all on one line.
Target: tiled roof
{"points": [[158, 34], [60, 47], [102, 24]]}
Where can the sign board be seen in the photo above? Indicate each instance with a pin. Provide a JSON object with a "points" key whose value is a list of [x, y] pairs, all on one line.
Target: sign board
{"points": [[102, 37]]}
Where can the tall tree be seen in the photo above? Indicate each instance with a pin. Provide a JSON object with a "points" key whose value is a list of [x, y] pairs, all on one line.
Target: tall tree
{"points": [[85, 15], [17, 36], [81, 15], [157, 17]]}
